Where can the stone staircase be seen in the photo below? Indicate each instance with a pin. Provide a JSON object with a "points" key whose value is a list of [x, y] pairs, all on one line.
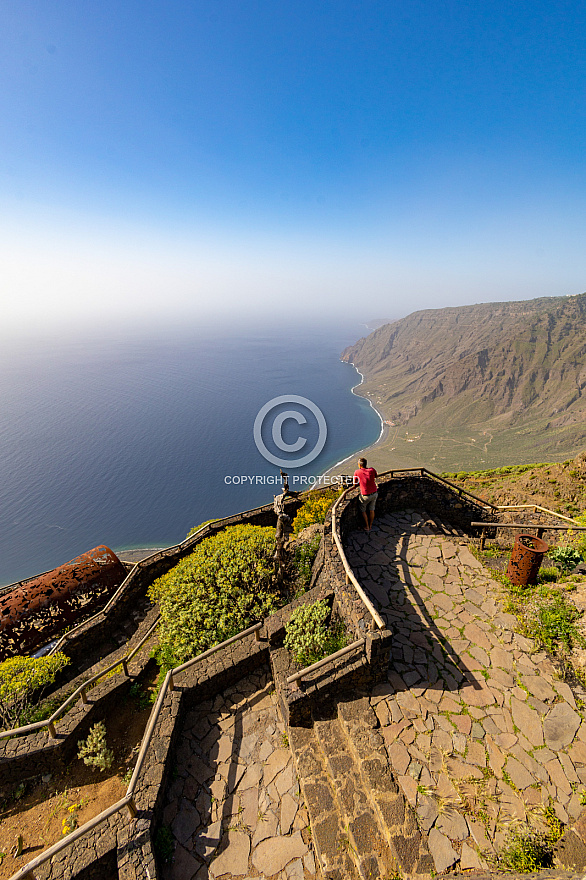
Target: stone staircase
{"points": [[361, 825], [444, 528]]}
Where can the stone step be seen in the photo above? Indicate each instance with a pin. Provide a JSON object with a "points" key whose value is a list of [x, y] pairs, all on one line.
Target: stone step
{"points": [[458, 533], [330, 838], [364, 840], [443, 527], [394, 816], [432, 522]]}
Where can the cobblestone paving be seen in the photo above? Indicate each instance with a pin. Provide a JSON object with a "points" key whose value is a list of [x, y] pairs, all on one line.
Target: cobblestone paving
{"points": [[478, 729], [234, 809]]}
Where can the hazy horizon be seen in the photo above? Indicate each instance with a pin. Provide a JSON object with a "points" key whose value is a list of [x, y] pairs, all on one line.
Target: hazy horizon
{"points": [[253, 159]]}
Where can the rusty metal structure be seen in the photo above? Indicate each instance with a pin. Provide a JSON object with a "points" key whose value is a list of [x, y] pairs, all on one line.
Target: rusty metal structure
{"points": [[37, 609], [526, 558]]}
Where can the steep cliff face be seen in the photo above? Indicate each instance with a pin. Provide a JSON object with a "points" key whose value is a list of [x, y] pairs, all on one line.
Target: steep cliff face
{"points": [[485, 369]]}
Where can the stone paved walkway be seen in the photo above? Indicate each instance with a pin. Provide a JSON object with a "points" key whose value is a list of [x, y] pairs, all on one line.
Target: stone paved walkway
{"points": [[234, 809], [478, 729]]}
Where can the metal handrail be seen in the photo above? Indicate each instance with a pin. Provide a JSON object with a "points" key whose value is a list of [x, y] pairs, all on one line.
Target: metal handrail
{"points": [[425, 472], [459, 490], [26, 872], [50, 722], [318, 665], [169, 684], [159, 554], [535, 508], [500, 525], [391, 473], [349, 573], [82, 689], [245, 632]]}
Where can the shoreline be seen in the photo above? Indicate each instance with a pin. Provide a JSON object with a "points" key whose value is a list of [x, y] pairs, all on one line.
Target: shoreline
{"points": [[381, 436], [138, 554]]}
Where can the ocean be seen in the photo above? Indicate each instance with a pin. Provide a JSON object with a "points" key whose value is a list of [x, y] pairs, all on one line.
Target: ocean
{"points": [[130, 439]]}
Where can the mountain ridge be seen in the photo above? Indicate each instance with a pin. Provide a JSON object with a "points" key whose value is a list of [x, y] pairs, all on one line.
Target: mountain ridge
{"points": [[485, 384]]}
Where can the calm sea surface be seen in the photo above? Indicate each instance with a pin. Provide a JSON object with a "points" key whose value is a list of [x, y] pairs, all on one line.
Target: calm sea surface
{"points": [[129, 441]]}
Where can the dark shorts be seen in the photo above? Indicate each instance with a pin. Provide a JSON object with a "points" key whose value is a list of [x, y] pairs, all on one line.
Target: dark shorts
{"points": [[367, 502]]}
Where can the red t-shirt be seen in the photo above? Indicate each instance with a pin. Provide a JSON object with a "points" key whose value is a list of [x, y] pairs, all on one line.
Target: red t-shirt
{"points": [[365, 476]]}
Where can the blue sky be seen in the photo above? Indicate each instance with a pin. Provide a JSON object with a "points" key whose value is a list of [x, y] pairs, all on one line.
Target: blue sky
{"points": [[218, 157]]}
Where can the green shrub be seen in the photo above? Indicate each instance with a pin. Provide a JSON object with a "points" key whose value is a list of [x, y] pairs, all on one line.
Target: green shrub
{"points": [[307, 632], [566, 558], [93, 750], [304, 558], [551, 621], [221, 588], [314, 509], [526, 851], [20, 678], [308, 636], [545, 614]]}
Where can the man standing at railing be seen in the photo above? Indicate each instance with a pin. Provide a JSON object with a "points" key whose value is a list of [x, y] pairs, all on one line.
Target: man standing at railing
{"points": [[365, 478]]}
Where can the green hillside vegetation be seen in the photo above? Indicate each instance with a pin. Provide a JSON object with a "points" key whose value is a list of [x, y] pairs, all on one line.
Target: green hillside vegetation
{"points": [[559, 486], [221, 588], [227, 583], [478, 386]]}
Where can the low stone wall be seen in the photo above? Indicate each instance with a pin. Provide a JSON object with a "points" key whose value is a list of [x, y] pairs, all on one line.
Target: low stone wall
{"points": [[353, 608], [361, 667], [133, 841], [136, 856], [85, 640], [25, 757], [395, 493], [421, 492], [122, 847]]}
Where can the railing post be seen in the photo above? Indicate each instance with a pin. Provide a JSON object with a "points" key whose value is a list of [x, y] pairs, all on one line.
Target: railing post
{"points": [[257, 635], [171, 683], [52, 731], [125, 667], [482, 538], [131, 807], [84, 698]]}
